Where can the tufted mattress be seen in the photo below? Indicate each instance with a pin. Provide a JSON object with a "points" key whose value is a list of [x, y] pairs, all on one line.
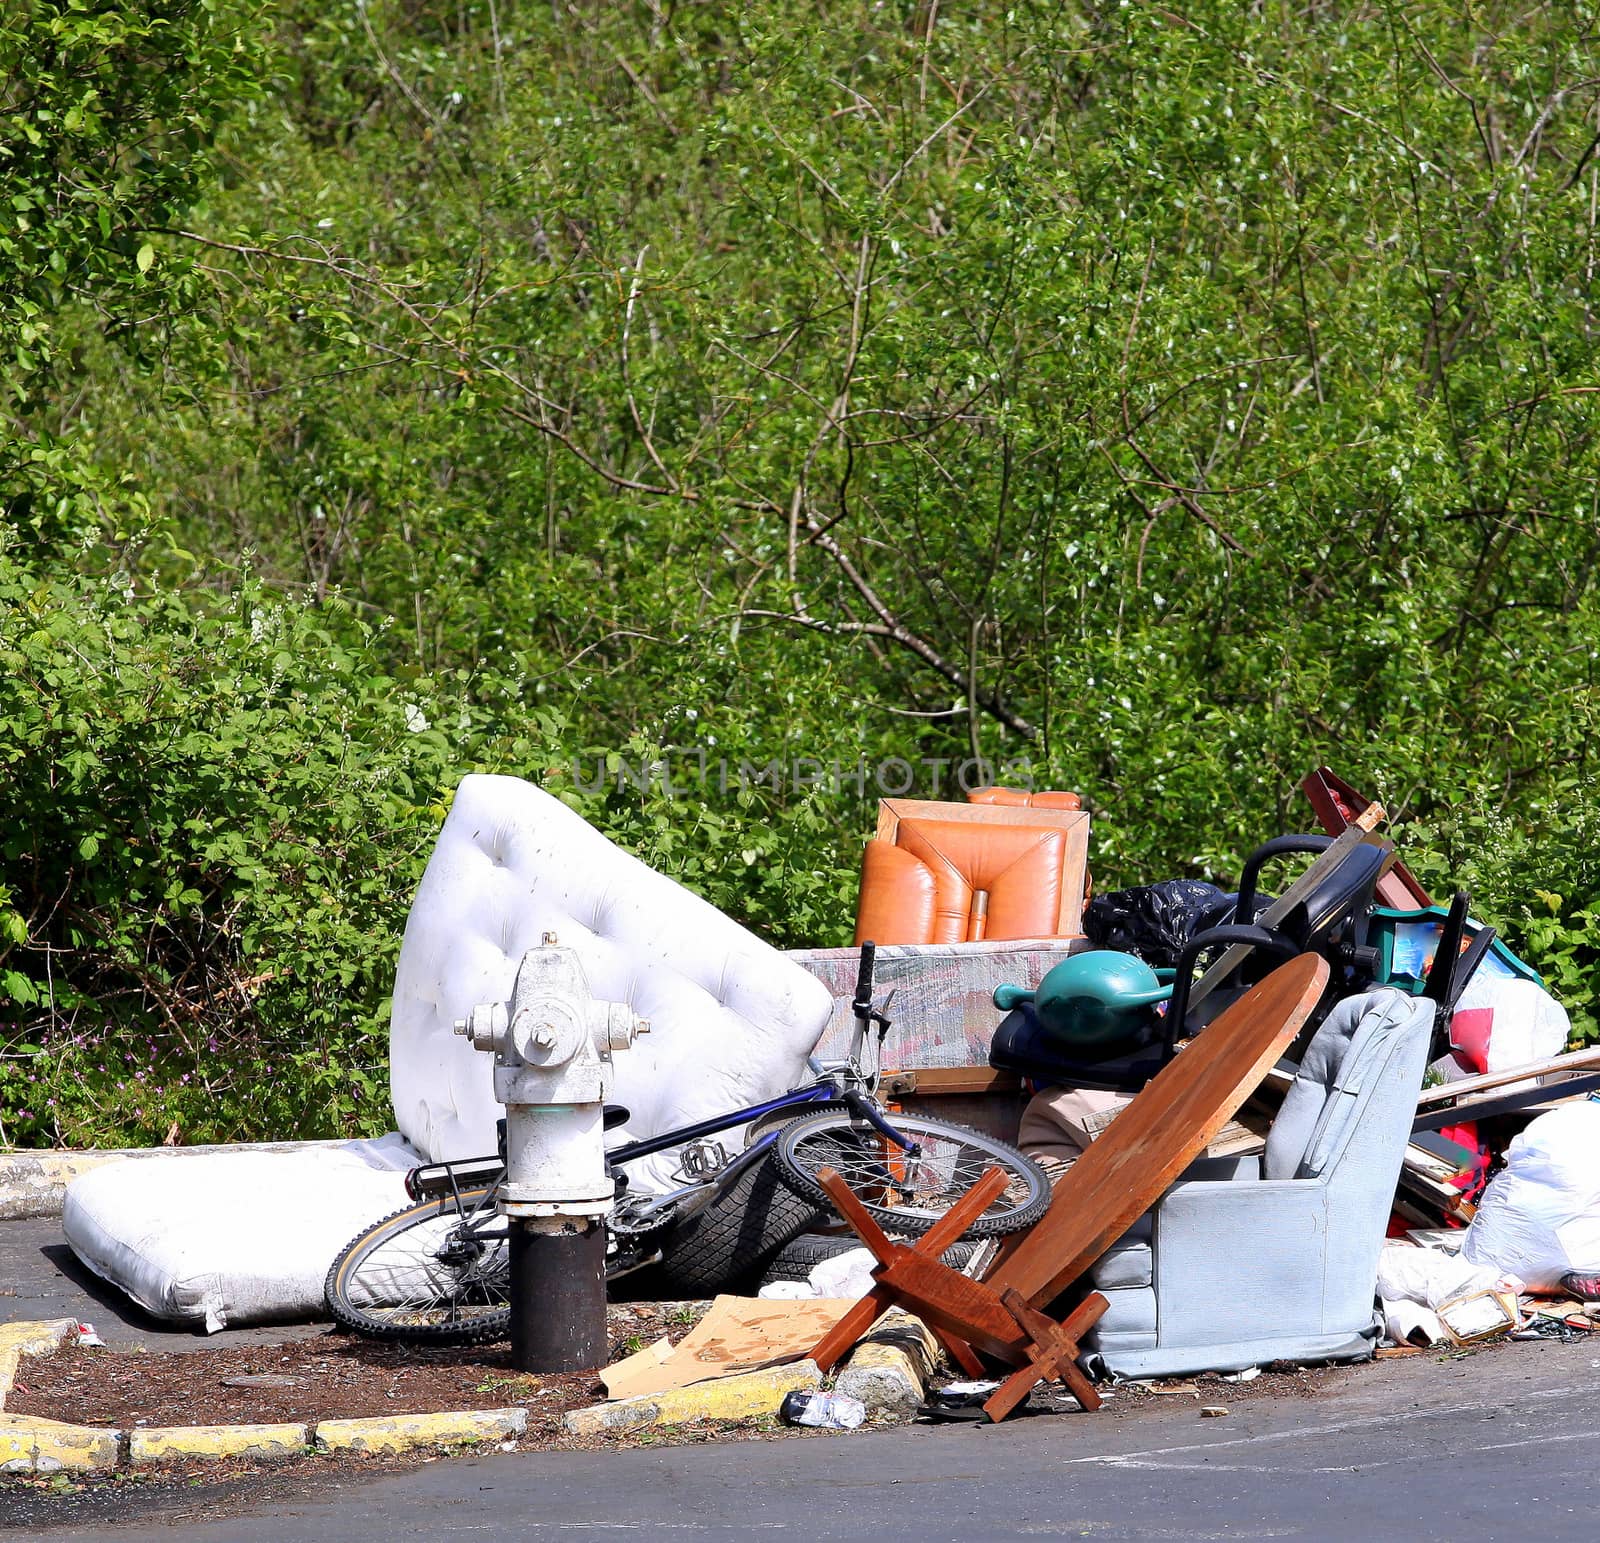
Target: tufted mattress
{"points": [[732, 1019], [246, 1237]]}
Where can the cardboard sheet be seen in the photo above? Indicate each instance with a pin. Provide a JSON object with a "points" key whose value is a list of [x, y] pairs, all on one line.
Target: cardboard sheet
{"points": [[738, 1334]]}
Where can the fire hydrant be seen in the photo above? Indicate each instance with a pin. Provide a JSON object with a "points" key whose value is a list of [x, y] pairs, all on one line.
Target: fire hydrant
{"points": [[552, 1045]]}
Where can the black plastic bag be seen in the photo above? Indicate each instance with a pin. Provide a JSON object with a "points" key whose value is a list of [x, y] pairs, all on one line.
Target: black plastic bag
{"points": [[1154, 921]]}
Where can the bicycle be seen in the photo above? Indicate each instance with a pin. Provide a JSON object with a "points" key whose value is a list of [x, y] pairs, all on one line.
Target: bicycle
{"points": [[436, 1272]]}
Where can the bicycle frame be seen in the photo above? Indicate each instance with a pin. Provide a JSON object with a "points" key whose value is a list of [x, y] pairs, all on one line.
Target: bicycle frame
{"points": [[843, 1084]]}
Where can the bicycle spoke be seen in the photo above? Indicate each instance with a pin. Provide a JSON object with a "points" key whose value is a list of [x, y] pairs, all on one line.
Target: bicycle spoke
{"points": [[404, 1279]]}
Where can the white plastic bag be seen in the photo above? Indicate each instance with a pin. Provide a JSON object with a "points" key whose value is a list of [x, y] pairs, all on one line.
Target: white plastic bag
{"points": [[1525, 1023], [1429, 1276], [1541, 1216], [844, 1275]]}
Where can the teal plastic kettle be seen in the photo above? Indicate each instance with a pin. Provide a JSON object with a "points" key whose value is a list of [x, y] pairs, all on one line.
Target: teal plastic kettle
{"points": [[1101, 1001]]}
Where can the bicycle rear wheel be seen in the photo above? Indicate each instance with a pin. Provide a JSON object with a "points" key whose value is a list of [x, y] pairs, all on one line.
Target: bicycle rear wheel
{"points": [[907, 1191], [437, 1273]]}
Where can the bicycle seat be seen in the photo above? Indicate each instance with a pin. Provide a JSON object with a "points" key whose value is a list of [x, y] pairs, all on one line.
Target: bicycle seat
{"points": [[615, 1115]]}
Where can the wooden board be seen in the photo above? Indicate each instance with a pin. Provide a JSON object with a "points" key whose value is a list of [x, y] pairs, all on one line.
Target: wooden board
{"points": [[1573, 1060], [950, 1081], [1336, 802], [1321, 866], [1128, 1168]]}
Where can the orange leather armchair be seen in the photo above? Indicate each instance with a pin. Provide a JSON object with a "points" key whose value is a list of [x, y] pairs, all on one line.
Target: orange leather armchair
{"points": [[1007, 865]]}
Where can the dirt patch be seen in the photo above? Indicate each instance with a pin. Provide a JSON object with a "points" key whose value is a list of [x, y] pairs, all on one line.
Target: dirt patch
{"points": [[335, 1376]]}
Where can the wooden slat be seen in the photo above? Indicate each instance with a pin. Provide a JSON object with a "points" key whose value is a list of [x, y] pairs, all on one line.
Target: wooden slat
{"points": [[1574, 1060], [1161, 1132], [934, 1081]]}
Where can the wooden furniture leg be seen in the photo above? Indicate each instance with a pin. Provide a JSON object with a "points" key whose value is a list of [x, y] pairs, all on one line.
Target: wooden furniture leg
{"points": [[1054, 1354], [1121, 1175], [844, 1334]]}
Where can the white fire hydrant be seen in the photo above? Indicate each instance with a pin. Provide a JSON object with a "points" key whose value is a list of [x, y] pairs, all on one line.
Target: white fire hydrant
{"points": [[552, 1045]]}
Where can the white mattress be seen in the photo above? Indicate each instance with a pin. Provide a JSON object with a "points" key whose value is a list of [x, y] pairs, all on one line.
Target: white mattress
{"points": [[248, 1237], [232, 1237], [732, 1019]]}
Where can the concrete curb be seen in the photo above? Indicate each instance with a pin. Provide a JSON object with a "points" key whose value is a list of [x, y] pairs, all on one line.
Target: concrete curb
{"points": [[29, 1337], [405, 1432], [35, 1183], [31, 1444], [890, 1368], [152, 1444], [747, 1395]]}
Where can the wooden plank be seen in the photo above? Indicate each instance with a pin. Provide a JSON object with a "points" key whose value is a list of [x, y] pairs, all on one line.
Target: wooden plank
{"points": [[1573, 1060], [946, 1081], [1527, 1104], [1335, 801], [1127, 1169], [1321, 866]]}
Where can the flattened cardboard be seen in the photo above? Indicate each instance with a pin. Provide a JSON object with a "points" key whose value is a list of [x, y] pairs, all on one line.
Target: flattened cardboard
{"points": [[737, 1334]]}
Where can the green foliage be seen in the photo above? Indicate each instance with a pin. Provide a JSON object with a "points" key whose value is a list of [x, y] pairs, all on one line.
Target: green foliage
{"points": [[107, 118], [1543, 895], [1171, 399], [215, 814], [212, 818]]}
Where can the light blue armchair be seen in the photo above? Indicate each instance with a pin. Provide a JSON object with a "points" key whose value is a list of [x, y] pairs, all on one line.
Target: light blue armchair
{"points": [[1246, 1260]]}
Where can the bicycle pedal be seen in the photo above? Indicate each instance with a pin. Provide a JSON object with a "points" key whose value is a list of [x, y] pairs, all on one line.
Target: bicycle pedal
{"points": [[701, 1160]]}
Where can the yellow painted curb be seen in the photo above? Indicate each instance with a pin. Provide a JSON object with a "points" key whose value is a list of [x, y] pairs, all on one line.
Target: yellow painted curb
{"points": [[745, 1396], [29, 1336], [890, 1367], [403, 1432], [32, 1445], [159, 1444]]}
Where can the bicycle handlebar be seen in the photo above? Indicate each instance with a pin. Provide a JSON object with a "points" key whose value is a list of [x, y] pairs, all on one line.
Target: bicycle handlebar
{"points": [[863, 996]]}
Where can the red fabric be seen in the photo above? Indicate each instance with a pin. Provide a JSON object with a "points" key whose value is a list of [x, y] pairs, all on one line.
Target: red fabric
{"points": [[1470, 1181], [1470, 1029]]}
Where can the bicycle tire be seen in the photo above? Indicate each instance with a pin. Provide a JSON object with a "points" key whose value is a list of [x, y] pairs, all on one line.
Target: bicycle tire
{"points": [[388, 1285], [953, 1159], [725, 1245]]}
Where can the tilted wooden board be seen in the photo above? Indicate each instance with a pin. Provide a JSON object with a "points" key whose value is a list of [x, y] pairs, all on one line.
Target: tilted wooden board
{"points": [[1126, 1170]]}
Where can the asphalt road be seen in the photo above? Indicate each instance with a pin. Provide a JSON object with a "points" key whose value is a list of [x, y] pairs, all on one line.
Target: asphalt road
{"points": [[1498, 1445]]}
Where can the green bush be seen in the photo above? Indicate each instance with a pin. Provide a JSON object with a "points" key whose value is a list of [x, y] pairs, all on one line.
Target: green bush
{"points": [[1537, 880], [211, 817]]}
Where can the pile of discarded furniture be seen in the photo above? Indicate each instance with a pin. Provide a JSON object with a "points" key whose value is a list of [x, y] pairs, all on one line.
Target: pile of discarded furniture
{"points": [[1226, 1091]]}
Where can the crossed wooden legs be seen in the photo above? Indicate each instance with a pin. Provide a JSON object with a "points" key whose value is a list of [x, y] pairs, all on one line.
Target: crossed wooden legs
{"points": [[844, 1334], [1055, 1353], [963, 1313]]}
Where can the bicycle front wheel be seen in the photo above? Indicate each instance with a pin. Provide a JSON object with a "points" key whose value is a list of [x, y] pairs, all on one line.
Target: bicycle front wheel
{"points": [[433, 1274], [907, 1189]]}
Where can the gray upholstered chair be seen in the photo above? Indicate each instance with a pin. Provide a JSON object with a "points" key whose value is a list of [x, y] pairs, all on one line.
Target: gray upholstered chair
{"points": [[1248, 1259]]}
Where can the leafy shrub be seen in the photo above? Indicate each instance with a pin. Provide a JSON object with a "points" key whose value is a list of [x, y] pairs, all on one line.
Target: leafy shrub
{"points": [[212, 816], [1537, 881]]}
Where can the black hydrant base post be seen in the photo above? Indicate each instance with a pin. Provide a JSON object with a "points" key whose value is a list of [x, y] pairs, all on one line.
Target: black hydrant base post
{"points": [[558, 1294]]}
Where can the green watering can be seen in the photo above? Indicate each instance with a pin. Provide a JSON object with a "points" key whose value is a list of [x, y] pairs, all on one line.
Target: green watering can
{"points": [[1098, 1002]]}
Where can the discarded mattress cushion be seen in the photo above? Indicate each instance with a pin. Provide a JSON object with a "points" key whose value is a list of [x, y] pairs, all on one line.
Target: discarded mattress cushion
{"points": [[232, 1237], [732, 1020]]}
